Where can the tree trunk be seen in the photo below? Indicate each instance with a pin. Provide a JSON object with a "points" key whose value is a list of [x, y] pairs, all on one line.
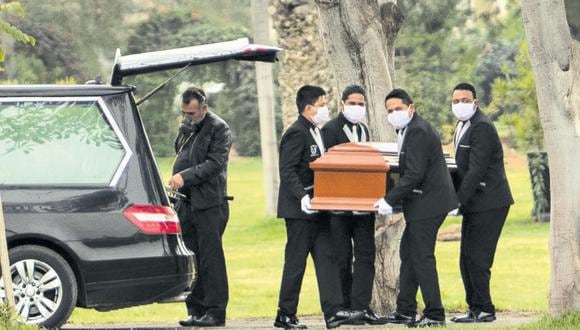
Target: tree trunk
{"points": [[554, 50], [358, 38], [303, 60], [387, 263], [356, 46], [266, 100]]}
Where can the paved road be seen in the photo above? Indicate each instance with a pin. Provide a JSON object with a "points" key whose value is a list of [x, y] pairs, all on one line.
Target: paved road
{"points": [[504, 320]]}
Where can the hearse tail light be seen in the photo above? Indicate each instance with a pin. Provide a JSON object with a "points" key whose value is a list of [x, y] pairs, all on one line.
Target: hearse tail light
{"points": [[153, 219]]}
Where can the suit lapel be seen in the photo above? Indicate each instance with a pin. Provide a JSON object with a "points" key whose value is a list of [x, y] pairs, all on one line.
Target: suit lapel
{"points": [[411, 124], [463, 134], [472, 121], [313, 146], [402, 154]]}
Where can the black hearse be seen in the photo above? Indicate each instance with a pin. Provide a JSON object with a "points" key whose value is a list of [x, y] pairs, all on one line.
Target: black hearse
{"points": [[88, 220]]}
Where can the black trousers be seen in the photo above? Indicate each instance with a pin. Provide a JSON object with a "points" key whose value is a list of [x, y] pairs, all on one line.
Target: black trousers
{"points": [[202, 232], [309, 237], [479, 235], [353, 237], [419, 269]]}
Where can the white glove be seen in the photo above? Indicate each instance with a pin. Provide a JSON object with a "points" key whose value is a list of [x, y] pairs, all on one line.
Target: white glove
{"points": [[305, 205], [454, 213], [383, 207], [360, 213]]}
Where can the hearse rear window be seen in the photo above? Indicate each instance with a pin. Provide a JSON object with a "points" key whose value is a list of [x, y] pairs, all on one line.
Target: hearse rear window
{"points": [[64, 141]]}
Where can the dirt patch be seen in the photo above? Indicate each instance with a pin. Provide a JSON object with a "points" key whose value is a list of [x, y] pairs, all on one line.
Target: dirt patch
{"points": [[514, 159]]}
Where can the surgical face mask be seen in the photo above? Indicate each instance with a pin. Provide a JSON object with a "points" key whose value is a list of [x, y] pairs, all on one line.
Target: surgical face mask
{"points": [[354, 113], [322, 116], [463, 111], [399, 119]]}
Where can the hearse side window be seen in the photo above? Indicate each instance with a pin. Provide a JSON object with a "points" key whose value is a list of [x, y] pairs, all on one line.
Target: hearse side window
{"points": [[58, 142]]}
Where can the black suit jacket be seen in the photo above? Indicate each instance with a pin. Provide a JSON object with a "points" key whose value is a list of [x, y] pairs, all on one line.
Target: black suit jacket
{"points": [[297, 150], [481, 180], [203, 162], [425, 187], [333, 133]]}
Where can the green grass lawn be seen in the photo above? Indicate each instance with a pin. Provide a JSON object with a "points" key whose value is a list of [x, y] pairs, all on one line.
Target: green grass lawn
{"points": [[254, 247]]}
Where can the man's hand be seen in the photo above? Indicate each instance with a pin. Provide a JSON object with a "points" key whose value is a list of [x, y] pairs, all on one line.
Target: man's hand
{"points": [[176, 181], [305, 205], [383, 208]]}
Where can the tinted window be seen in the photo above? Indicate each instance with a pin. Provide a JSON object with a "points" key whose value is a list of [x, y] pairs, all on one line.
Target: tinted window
{"points": [[57, 142]]}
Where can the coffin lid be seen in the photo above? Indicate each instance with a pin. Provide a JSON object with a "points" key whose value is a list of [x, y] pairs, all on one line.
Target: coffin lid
{"points": [[352, 156]]}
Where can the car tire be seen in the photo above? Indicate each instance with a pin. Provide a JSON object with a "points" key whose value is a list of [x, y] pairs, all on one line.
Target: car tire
{"points": [[48, 297]]}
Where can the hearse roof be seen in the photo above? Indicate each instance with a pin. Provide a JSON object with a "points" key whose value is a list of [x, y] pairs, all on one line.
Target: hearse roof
{"points": [[61, 90]]}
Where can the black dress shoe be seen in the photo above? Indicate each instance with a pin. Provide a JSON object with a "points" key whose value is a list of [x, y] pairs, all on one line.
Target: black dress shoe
{"points": [[288, 322], [187, 322], [425, 322], [206, 320], [485, 317], [398, 318], [354, 322], [370, 317], [475, 317], [468, 317], [342, 317]]}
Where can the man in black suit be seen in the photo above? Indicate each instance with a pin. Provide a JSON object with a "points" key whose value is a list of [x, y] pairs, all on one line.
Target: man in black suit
{"points": [[427, 194], [485, 199], [200, 172], [308, 232], [353, 233]]}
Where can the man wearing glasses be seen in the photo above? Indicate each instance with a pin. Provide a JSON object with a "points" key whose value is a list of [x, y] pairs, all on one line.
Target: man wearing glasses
{"points": [[199, 172]]}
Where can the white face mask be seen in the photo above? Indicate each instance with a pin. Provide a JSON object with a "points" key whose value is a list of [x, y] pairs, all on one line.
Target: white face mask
{"points": [[354, 113], [399, 119], [322, 116], [463, 111]]}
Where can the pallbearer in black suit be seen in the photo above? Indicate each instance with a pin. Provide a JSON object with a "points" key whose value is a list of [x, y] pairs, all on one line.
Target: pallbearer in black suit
{"points": [[427, 194], [353, 234], [485, 198], [308, 232]]}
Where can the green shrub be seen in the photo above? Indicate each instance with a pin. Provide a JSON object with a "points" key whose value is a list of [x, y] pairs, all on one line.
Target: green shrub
{"points": [[8, 320]]}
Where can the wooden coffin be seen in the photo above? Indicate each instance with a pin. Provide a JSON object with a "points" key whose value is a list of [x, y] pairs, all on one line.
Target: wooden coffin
{"points": [[353, 176]]}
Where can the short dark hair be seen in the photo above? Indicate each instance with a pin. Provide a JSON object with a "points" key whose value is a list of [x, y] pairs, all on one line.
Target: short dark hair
{"points": [[398, 93], [308, 95], [466, 87], [352, 89], [194, 93]]}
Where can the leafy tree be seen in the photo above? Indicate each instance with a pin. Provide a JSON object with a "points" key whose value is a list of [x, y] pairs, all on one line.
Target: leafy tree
{"points": [[75, 38], [513, 91], [514, 96], [13, 8]]}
